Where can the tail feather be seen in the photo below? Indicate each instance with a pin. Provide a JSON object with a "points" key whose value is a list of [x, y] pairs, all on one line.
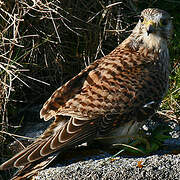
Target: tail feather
{"points": [[12, 162], [31, 169], [23, 159], [70, 134], [35, 154]]}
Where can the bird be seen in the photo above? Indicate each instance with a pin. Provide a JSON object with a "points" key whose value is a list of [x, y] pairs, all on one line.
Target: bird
{"points": [[113, 96]]}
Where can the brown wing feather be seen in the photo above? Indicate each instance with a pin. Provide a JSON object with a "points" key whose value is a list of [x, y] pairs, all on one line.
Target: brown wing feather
{"points": [[110, 85], [72, 132], [65, 92]]}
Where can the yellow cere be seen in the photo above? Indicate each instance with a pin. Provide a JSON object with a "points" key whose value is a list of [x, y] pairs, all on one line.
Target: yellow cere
{"points": [[150, 22]]}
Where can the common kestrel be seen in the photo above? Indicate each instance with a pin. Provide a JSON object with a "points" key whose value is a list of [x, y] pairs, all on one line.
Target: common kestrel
{"points": [[113, 96]]}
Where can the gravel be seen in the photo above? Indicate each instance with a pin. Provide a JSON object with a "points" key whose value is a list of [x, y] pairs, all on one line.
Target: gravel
{"points": [[151, 167]]}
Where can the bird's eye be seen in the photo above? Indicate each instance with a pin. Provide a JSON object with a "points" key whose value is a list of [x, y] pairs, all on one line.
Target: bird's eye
{"points": [[164, 22], [141, 18]]}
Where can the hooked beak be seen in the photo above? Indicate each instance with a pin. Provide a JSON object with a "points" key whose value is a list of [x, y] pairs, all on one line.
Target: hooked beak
{"points": [[151, 27]]}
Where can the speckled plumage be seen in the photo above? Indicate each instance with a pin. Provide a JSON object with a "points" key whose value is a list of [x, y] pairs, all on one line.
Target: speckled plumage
{"points": [[115, 95]]}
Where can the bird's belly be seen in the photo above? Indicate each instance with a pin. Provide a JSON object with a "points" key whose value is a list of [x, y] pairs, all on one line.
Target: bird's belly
{"points": [[122, 134]]}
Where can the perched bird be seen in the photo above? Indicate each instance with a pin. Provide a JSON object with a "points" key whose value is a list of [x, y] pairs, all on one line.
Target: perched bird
{"points": [[114, 96]]}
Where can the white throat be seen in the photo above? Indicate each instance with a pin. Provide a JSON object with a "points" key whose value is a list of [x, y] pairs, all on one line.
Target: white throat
{"points": [[154, 42]]}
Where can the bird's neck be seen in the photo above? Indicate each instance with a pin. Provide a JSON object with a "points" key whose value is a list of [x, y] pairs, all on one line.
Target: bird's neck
{"points": [[151, 47], [152, 43]]}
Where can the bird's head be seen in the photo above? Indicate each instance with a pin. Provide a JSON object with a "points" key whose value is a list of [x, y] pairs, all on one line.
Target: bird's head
{"points": [[156, 22], [154, 27]]}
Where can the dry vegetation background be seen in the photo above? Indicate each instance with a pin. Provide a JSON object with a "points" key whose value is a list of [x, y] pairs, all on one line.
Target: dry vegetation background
{"points": [[43, 43]]}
